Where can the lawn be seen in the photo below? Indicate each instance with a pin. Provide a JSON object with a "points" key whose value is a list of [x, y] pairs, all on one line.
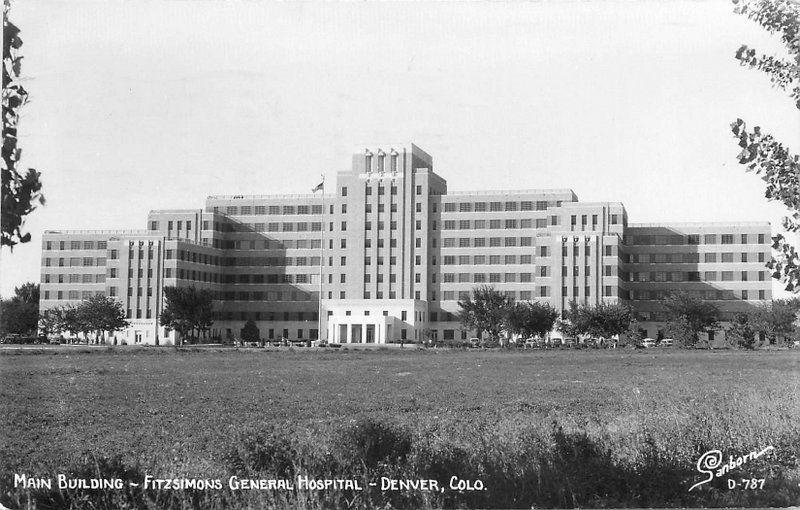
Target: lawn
{"points": [[502, 416]]}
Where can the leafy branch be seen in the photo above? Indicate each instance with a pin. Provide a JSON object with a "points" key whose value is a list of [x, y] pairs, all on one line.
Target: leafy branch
{"points": [[21, 193]]}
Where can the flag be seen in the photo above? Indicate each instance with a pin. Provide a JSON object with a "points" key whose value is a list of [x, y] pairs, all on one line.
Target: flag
{"points": [[320, 186]]}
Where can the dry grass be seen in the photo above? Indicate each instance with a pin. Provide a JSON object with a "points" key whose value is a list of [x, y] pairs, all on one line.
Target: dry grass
{"points": [[559, 428]]}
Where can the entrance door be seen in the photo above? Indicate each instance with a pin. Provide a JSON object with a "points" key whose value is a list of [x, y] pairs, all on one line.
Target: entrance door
{"points": [[356, 333], [342, 334], [137, 337], [370, 333]]}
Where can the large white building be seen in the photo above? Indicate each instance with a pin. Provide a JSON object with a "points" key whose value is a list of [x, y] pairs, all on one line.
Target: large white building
{"points": [[387, 252]]}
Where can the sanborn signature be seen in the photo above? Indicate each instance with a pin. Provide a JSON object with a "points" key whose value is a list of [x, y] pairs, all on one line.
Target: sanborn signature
{"points": [[710, 463]]}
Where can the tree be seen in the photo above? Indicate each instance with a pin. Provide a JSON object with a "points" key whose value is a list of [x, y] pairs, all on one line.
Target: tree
{"points": [[250, 332], [530, 319], [99, 314], [187, 309], [20, 314], [742, 332], [20, 193], [575, 321], [777, 319], [603, 320], [688, 316], [50, 321], [485, 310], [761, 152]]}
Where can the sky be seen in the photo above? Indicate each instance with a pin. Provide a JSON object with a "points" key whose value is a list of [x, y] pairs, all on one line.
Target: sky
{"points": [[155, 105]]}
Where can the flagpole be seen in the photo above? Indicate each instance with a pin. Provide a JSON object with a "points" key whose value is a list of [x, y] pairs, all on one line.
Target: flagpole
{"points": [[321, 262]]}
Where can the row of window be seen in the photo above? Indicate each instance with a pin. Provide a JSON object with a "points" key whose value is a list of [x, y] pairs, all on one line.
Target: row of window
{"points": [[204, 276], [72, 295], [696, 276], [265, 261], [479, 260], [716, 295], [75, 245], [508, 223], [74, 262], [74, 278], [694, 258], [695, 239], [261, 210], [170, 224], [525, 205], [523, 295]]}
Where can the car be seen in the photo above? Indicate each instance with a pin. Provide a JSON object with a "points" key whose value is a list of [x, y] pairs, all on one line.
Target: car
{"points": [[648, 342], [564, 342], [666, 342], [475, 342], [12, 338], [533, 343]]}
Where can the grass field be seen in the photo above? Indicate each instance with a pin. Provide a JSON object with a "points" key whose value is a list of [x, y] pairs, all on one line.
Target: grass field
{"points": [[543, 429]]}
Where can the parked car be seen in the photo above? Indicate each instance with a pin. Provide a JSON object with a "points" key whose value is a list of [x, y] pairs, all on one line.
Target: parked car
{"points": [[648, 342], [564, 342], [666, 342], [533, 343]]}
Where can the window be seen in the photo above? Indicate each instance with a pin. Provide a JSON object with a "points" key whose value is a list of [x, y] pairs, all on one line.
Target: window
{"points": [[710, 257], [744, 257], [760, 240], [727, 238], [344, 191], [710, 239], [727, 257]]}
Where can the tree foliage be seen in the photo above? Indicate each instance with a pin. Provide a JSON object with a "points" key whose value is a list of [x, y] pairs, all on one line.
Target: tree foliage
{"points": [[97, 314], [688, 316], [777, 319], [187, 310], [485, 310], [20, 192], [20, 314], [530, 319], [250, 332], [742, 331], [603, 320], [100, 314], [761, 152]]}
